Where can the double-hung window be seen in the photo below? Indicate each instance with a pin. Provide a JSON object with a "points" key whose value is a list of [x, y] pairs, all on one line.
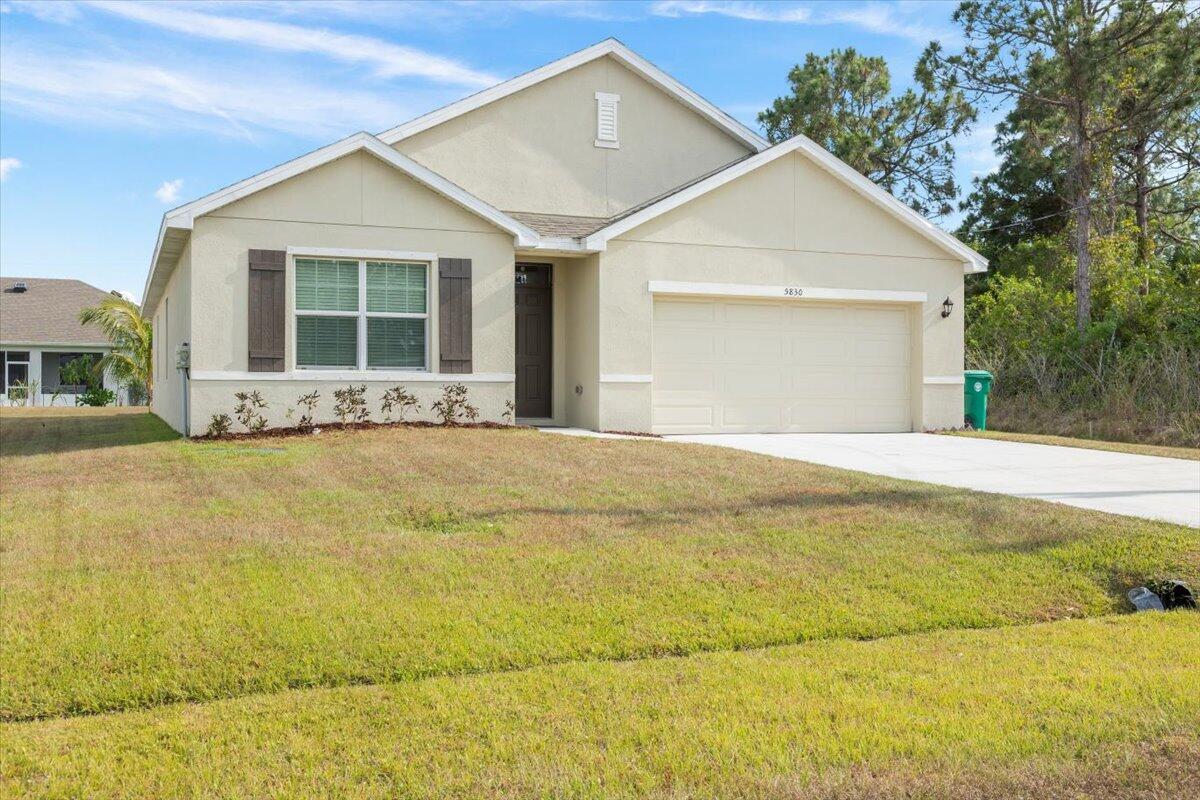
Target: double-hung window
{"points": [[361, 314]]}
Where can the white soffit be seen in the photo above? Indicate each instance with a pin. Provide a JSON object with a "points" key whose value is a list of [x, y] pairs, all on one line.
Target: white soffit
{"points": [[608, 47], [972, 261]]}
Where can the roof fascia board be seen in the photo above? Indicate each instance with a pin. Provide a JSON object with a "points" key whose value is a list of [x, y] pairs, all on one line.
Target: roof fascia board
{"points": [[608, 47], [972, 261]]}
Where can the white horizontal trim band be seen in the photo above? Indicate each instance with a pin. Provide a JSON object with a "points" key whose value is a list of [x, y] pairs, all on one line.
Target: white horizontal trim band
{"points": [[340, 252], [356, 376], [785, 292], [6, 345], [626, 378], [936, 380]]}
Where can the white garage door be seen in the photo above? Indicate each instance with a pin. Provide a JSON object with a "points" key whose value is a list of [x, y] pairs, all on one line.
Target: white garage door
{"points": [[729, 366]]}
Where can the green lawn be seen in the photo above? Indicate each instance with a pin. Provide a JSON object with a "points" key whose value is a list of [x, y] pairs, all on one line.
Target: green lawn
{"points": [[404, 610], [1190, 453], [955, 710]]}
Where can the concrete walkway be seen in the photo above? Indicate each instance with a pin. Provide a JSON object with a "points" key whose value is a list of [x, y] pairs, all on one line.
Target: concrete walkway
{"points": [[1120, 483]]}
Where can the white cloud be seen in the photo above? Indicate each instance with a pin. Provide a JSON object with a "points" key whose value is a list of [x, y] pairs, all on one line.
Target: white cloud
{"points": [[62, 11], [388, 60], [754, 12], [169, 191], [7, 165], [902, 20], [211, 98]]}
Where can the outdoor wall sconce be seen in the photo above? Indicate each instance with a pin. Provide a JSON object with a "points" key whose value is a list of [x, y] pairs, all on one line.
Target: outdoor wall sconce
{"points": [[947, 307]]}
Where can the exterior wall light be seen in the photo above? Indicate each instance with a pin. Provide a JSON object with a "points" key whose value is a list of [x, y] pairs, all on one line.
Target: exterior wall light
{"points": [[947, 307]]}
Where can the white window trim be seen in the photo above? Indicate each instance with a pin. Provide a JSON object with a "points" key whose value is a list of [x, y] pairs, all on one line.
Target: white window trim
{"points": [[362, 314], [615, 99]]}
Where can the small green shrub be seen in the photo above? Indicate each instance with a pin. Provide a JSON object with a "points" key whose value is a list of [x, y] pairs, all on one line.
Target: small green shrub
{"points": [[219, 425], [308, 402], [454, 407], [510, 412], [350, 404], [249, 411], [401, 401], [96, 396]]}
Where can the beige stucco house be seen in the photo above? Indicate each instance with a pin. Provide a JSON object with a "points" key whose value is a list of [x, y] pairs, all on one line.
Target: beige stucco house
{"points": [[592, 241]]}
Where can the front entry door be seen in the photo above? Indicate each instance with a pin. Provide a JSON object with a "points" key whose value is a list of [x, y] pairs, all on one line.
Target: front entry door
{"points": [[533, 340]]}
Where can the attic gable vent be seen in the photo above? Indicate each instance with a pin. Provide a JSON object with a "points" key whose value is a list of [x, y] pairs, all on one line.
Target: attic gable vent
{"points": [[606, 119]]}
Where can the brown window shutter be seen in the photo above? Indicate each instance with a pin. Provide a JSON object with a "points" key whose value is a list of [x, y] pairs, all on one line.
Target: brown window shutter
{"points": [[454, 314], [267, 309]]}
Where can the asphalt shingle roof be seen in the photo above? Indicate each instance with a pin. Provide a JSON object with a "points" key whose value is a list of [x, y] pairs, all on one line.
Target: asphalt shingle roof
{"points": [[48, 311], [559, 224]]}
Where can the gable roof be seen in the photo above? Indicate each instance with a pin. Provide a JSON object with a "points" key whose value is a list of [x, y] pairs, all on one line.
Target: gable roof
{"points": [[47, 312], [176, 223], [608, 47], [823, 158]]}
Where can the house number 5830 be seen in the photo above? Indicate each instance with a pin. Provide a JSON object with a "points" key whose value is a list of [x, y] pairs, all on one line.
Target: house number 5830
{"points": [[792, 291]]}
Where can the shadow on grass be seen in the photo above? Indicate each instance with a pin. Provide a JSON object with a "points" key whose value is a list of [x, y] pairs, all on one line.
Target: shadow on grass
{"points": [[31, 432], [876, 500]]}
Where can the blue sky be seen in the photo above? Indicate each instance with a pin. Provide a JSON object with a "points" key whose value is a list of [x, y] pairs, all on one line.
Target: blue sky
{"points": [[112, 112]]}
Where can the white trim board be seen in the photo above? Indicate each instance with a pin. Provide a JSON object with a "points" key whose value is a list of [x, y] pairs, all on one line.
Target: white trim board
{"points": [[784, 292], [944, 380], [357, 376], [183, 217], [342, 252], [608, 47], [972, 261]]}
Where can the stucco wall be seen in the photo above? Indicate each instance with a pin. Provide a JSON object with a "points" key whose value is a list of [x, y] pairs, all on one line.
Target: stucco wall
{"points": [[172, 325], [581, 280], [535, 150], [788, 223], [217, 397], [357, 203]]}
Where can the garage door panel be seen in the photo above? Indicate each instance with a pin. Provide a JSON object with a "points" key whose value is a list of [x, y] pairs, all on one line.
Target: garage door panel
{"points": [[687, 344], [677, 379], [818, 416], [772, 366], [881, 351], [752, 315], [820, 319], [880, 320], [824, 383], [883, 417], [683, 417], [884, 384], [754, 347], [819, 348], [752, 415]]}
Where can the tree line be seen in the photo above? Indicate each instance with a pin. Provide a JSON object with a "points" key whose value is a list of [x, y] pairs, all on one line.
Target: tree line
{"points": [[1091, 222]]}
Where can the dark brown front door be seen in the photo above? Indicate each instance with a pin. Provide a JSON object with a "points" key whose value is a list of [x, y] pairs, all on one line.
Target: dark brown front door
{"points": [[533, 340]]}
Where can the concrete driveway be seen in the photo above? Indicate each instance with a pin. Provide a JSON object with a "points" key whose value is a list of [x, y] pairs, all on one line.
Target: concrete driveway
{"points": [[1119, 483]]}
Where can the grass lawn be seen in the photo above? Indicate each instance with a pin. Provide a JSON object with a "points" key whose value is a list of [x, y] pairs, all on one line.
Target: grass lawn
{"points": [[1190, 453], [425, 611], [954, 713]]}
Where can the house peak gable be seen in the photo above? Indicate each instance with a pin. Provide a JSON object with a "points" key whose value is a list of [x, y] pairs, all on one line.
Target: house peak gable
{"points": [[610, 47]]}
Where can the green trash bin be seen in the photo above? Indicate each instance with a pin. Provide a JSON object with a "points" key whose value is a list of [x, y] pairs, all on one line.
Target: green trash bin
{"points": [[975, 397]]}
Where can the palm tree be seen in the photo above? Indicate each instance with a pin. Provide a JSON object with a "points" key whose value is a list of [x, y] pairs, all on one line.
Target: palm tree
{"points": [[131, 360]]}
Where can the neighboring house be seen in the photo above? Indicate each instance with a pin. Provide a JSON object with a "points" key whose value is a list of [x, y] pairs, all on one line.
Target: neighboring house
{"points": [[592, 240], [40, 332]]}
